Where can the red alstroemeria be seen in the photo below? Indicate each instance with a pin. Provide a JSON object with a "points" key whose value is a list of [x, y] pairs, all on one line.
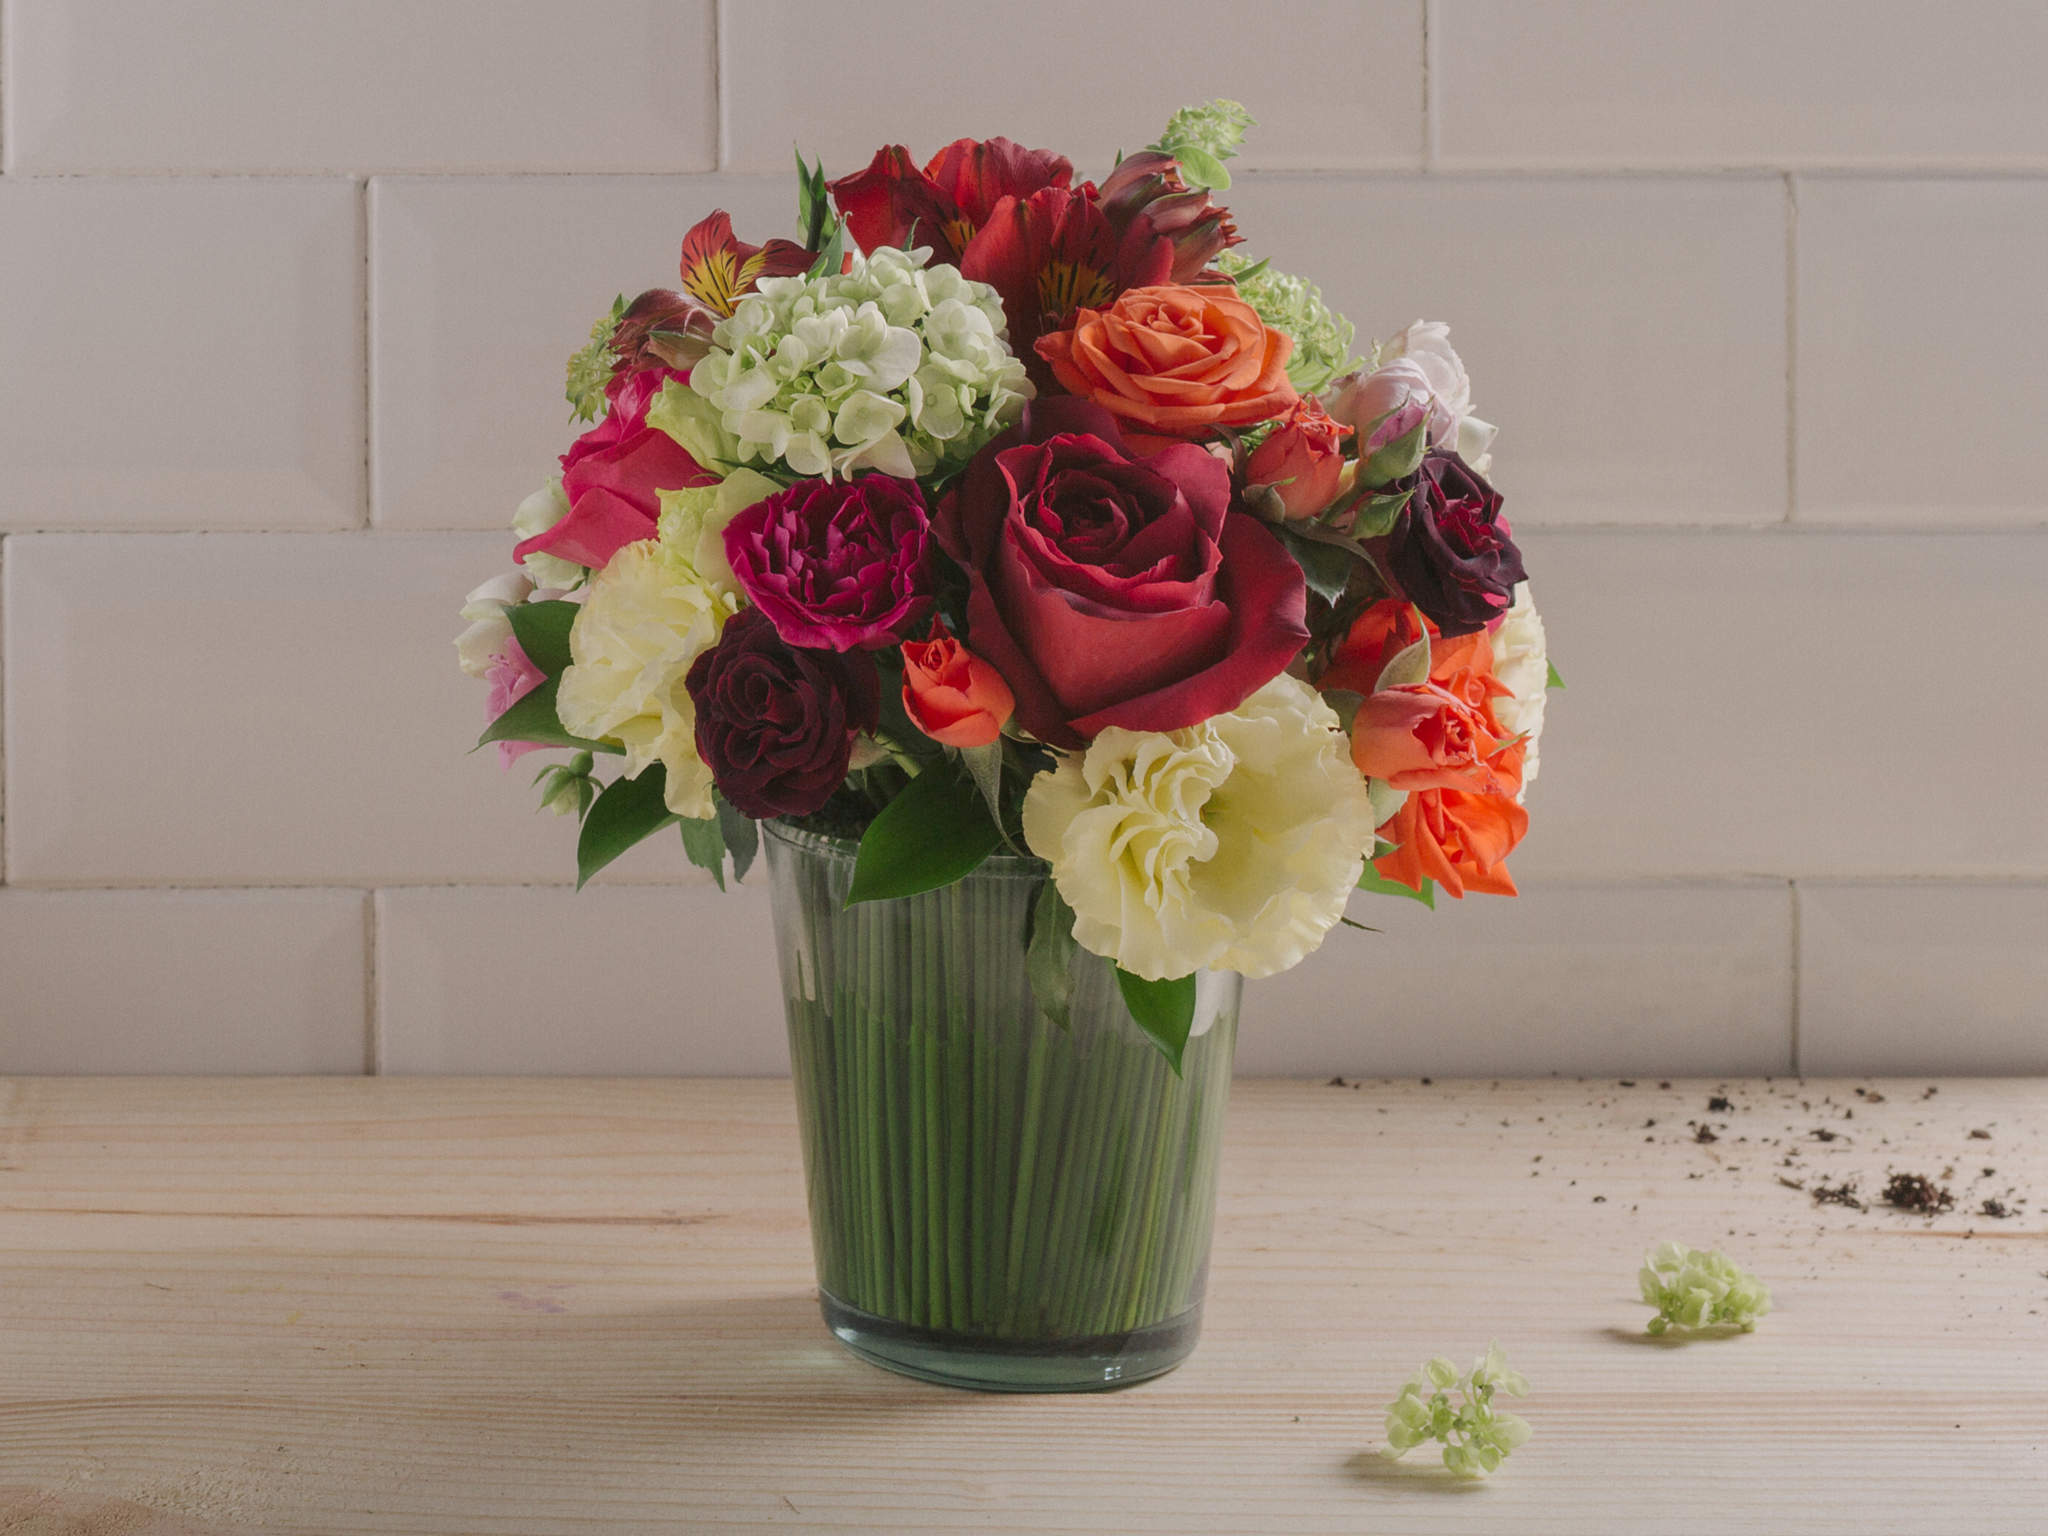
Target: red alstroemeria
{"points": [[894, 203], [717, 269], [1055, 252], [662, 329], [1147, 188]]}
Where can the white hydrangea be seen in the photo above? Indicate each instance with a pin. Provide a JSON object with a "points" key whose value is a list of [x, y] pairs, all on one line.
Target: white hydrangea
{"points": [[1522, 661], [642, 625], [892, 365], [1231, 845]]}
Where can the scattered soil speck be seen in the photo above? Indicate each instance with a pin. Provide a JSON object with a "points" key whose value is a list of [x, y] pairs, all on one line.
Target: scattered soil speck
{"points": [[1822, 1133], [1599, 1199], [1664, 1084], [1980, 1135], [1998, 1210], [1918, 1193], [1336, 1082], [1931, 1092], [1627, 1082], [1870, 1095], [1843, 1193], [1719, 1105], [1704, 1133]]}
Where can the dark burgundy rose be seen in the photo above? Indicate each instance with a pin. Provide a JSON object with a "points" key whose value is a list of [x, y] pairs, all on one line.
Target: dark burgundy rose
{"points": [[841, 565], [775, 723], [1113, 588], [1449, 550]]}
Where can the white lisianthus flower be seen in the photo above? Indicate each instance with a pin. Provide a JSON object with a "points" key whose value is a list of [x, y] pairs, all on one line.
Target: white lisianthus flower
{"points": [[1231, 845], [890, 365], [642, 625], [479, 646], [1522, 661], [537, 514]]}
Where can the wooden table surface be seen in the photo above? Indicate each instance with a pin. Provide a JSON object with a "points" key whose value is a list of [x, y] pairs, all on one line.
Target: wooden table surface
{"points": [[568, 1306]]}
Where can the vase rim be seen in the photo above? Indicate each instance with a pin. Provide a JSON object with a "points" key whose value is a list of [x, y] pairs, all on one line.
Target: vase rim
{"points": [[1011, 866]]}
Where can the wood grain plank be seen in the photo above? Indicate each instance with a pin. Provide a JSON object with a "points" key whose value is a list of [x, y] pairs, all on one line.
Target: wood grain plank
{"points": [[578, 1306]]}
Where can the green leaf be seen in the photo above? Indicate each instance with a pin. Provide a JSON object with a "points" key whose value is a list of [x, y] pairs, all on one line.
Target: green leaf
{"points": [[1049, 959], [1407, 668], [625, 812], [533, 718], [1326, 567], [1372, 880], [704, 844], [1165, 1010], [542, 630], [1398, 459], [1199, 168], [985, 766], [930, 835], [1554, 681], [1377, 514], [742, 838], [830, 259]]}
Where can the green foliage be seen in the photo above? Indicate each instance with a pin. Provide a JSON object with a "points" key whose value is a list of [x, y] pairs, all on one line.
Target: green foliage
{"points": [[567, 788], [1049, 959], [625, 812], [931, 834], [1476, 1437], [1327, 567], [533, 718], [590, 369], [1165, 1010], [542, 630], [704, 844], [1294, 305], [742, 838], [1692, 1289], [1202, 138], [1554, 681], [1372, 880], [1396, 460], [813, 205]]}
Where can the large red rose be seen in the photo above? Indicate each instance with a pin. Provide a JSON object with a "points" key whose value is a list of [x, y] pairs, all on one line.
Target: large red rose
{"points": [[611, 475], [1113, 588]]}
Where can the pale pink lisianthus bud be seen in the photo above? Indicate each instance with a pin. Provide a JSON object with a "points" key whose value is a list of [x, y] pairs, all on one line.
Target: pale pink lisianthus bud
{"points": [[512, 677]]}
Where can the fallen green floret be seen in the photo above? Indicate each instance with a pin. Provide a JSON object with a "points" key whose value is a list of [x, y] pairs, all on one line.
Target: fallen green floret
{"points": [[1475, 1436], [1692, 1289]]}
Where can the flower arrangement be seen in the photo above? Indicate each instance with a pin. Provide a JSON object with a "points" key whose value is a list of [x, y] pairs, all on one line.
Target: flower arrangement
{"points": [[1005, 510]]}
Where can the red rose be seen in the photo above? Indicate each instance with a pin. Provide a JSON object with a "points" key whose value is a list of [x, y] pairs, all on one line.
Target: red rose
{"points": [[611, 474], [1115, 589]]}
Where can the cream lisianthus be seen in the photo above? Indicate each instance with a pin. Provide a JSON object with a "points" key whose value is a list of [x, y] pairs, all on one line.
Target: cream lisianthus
{"points": [[692, 528], [642, 625], [1521, 660], [1230, 845]]}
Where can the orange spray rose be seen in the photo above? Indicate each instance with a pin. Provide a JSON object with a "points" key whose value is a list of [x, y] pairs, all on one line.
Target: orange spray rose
{"points": [[951, 694]]}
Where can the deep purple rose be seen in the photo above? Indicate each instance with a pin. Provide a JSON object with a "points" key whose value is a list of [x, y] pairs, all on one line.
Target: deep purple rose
{"points": [[837, 564], [775, 722], [1449, 549]]}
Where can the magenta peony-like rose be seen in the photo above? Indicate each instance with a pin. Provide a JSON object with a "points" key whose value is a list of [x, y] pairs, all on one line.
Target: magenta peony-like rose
{"points": [[1116, 588], [1449, 549], [839, 565], [776, 722], [611, 476]]}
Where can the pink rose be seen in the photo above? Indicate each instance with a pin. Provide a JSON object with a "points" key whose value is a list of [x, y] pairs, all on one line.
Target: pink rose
{"points": [[1386, 403], [611, 475]]}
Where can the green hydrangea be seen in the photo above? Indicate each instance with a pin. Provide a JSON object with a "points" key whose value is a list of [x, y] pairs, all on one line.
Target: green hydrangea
{"points": [[1691, 1289], [590, 369], [893, 365], [1202, 138], [1476, 1437], [1294, 305]]}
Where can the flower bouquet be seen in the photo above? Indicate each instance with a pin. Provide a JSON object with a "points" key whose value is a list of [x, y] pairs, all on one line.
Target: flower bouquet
{"points": [[1078, 624]]}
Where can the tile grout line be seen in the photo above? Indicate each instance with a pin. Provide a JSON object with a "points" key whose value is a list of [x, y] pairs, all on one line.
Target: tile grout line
{"points": [[373, 1014], [369, 392], [1792, 887], [1429, 89], [719, 136], [5, 694], [1791, 348]]}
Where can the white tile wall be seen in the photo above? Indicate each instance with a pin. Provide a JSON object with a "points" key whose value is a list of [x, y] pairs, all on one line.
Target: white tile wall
{"points": [[1694, 254], [181, 354], [483, 287], [812, 72], [1739, 82], [252, 85], [1923, 978], [1567, 978], [1923, 336], [182, 981], [620, 980], [1788, 703], [1589, 312]]}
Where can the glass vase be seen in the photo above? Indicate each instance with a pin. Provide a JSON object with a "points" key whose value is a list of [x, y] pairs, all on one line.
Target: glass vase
{"points": [[997, 1200]]}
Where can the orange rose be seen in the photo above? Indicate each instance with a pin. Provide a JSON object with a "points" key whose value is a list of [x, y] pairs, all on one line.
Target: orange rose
{"points": [[1460, 841], [951, 694], [1302, 460], [1174, 361]]}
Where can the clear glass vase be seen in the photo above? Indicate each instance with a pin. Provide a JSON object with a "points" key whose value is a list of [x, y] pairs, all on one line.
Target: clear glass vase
{"points": [[996, 1201]]}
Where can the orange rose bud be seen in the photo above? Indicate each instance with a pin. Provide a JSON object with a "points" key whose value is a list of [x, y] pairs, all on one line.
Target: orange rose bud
{"points": [[1302, 459], [1174, 362], [951, 694]]}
